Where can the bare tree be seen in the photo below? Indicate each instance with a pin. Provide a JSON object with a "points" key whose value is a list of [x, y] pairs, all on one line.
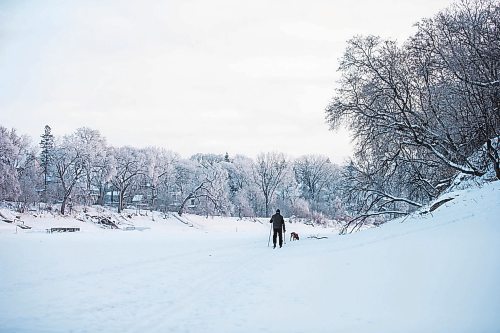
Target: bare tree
{"points": [[130, 163], [160, 167], [418, 112], [382, 100], [93, 149], [268, 172], [373, 190], [313, 173], [457, 54], [103, 170], [203, 177], [11, 154], [69, 166]]}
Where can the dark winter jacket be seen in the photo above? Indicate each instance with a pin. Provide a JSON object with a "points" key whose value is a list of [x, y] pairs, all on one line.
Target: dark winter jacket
{"points": [[278, 221]]}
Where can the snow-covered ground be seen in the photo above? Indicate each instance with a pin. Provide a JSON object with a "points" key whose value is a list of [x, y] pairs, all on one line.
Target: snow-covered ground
{"points": [[438, 272]]}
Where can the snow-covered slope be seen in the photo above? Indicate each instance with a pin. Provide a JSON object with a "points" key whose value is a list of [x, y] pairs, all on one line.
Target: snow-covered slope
{"points": [[436, 272]]}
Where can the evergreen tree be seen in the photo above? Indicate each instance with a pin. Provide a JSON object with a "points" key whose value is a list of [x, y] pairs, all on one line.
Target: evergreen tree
{"points": [[47, 145]]}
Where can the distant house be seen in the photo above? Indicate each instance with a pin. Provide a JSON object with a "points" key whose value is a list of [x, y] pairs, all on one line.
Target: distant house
{"points": [[192, 203], [138, 198], [111, 198], [176, 198], [139, 201], [92, 194]]}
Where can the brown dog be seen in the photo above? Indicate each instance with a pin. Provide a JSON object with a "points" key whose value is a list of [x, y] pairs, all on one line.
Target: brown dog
{"points": [[294, 236]]}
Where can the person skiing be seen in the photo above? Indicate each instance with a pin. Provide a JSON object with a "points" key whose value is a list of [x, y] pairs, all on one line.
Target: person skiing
{"points": [[278, 223]]}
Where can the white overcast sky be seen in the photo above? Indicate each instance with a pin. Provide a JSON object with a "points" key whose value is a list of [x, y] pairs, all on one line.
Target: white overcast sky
{"points": [[211, 76]]}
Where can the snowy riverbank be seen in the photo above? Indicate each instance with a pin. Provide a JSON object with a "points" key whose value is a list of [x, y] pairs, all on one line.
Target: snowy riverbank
{"points": [[437, 272]]}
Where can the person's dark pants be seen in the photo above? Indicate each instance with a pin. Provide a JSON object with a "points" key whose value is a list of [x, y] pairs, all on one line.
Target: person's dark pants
{"points": [[280, 233]]}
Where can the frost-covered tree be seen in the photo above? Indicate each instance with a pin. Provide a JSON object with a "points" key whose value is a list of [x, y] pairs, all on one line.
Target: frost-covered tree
{"points": [[9, 185], [30, 181], [104, 169], [288, 197], [19, 168], [160, 167], [374, 192], [418, 111], [204, 179], [331, 196], [438, 93], [456, 54], [92, 146], [184, 179], [313, 173], [268, 172], [130, 164], [68, 159], [10, 151], [240, 183]]}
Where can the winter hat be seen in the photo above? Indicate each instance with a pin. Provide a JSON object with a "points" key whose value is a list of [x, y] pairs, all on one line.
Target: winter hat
{"points": [[277, 210]]}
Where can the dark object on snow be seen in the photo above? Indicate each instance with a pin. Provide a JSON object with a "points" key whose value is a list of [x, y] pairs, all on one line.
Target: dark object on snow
{"points": [[317, 237], [439, 203], [62, 229], [278, 221], [16, 220], [278, 227], [103, 222], [294, 236]]}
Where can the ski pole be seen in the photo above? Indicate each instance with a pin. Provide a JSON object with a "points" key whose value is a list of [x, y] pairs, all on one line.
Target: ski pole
{"points": [[269, 240]]}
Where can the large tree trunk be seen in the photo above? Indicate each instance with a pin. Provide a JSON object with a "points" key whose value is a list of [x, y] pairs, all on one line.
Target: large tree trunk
{"points": [[493, 155], [67, 194], [183, 204], [267, 204], [102, 193], [63, 205], [120, 201]]}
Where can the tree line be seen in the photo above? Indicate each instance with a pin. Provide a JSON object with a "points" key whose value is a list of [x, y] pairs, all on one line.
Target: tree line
{"points": [[81, 168]]}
